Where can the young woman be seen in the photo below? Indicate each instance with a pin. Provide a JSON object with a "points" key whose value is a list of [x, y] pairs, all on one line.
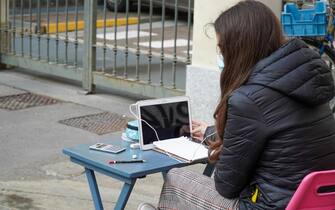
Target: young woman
{"points": [[273, 122]]}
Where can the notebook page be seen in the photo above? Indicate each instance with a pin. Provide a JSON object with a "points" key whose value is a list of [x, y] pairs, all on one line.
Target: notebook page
{"points": [[183, 148]]}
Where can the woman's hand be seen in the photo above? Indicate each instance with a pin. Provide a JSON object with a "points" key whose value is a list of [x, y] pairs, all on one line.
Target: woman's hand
{"points": [[198, 129]]}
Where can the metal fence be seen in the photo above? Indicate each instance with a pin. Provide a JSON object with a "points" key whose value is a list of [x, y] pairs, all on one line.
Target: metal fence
{"points": [[143, 50]]}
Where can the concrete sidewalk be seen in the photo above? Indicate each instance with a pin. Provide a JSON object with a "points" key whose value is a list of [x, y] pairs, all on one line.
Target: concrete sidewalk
{"points": [[34, 174]]}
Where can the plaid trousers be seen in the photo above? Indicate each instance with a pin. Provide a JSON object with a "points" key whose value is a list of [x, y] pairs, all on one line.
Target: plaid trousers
{"points": [[187, 190]]}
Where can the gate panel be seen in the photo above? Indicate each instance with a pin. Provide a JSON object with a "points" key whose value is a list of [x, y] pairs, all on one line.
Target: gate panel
{"points": [[139, 47]]}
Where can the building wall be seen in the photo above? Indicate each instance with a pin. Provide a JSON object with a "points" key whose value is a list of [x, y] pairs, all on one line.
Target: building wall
{"points": [[202, 77], [204, 43]]}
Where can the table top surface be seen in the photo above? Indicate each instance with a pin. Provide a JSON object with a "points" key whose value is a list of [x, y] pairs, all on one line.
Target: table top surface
{"points": [[155, 161]]}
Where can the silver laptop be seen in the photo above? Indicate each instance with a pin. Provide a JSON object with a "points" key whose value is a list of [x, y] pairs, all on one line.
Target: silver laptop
{"points": [[170, 117]]}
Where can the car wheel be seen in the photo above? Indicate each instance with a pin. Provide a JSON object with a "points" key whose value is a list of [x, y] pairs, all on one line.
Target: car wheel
{"points": [[121, 5]]}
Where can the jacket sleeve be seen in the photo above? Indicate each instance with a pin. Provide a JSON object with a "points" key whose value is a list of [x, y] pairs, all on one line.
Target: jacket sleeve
{"points": [[244, 139]]}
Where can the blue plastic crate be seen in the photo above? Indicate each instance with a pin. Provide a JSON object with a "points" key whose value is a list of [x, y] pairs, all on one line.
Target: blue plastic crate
{"points": [[305, 22]]}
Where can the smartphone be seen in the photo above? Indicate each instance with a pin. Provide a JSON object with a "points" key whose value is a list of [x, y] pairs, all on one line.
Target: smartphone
{"points": [[107, 148]]}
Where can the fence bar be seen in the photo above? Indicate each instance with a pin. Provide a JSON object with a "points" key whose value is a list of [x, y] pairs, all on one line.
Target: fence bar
{"points": [[90, 18], [66, 30], [7, 43], [104, 41], [189, 19], [2, 20], [1, 27], [150, 40], [125, 75], [57, 35], [22, 31], [30, 29], [8, 27], [39, 28], [162, 45], [76, 36], [138, 40], [115, 38], [14, 26], [48, 33], [174, 63]]}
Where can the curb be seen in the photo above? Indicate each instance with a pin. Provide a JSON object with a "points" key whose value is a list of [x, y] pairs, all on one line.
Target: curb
{"points": [[62, 27]]}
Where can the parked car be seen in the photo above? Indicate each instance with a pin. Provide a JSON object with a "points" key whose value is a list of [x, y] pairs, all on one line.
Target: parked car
{"points": [[121, 4]]}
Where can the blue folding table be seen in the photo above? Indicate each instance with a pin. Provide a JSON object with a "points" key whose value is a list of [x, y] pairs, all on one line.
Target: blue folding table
{"points": [[128, 173]]}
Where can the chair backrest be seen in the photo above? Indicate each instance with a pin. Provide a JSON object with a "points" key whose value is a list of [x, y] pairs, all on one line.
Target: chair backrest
{"points": [[315, 192]]}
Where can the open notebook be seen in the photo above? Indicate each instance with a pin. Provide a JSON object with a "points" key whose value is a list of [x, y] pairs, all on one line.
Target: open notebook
{"points": [[182, 148]]}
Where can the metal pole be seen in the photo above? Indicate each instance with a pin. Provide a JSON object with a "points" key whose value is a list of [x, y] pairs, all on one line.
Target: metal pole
{"points": [[4, 30], [57, 35], [138, 40], [66, 30], [105, 47], [189, 19], [30, 29], [2, 24], [39, 28], [4, 17], [4, 9], [115, 38], [125, 74], [22, 31], [14, 26], [174, 64], [90, 18], [76, 36], [47, 31], [150, 40], [162, 45]]}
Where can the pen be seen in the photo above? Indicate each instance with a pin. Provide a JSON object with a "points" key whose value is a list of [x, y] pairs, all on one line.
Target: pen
{"points": [[125, 161]]}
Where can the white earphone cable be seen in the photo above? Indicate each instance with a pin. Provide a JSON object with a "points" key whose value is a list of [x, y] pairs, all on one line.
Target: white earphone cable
{"points": [[138, 118], [201, 144]]}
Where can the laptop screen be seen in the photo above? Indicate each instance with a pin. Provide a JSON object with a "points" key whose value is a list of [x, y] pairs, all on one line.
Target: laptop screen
{"points": [[171, 120]]}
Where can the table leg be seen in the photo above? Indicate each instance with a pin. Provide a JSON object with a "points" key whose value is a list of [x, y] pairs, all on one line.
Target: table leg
{"points": [[92, 182], [209, 170], [124, 195]]}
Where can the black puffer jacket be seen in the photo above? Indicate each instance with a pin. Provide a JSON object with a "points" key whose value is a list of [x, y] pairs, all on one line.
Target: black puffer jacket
{"points": [[279, 128]]}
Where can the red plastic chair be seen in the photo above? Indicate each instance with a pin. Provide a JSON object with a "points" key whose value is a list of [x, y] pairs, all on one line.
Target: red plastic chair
{"points": [[315, 192]]}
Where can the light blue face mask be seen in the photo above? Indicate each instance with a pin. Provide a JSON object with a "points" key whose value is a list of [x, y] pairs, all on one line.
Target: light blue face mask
{"points": [[220, 61]]}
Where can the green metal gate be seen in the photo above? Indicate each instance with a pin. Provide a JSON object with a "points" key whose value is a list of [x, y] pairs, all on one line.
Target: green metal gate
{"points": [[59, 38]]}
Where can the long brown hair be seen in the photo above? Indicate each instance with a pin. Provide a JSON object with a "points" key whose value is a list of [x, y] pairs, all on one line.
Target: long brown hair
{"points": [[246, 33]]}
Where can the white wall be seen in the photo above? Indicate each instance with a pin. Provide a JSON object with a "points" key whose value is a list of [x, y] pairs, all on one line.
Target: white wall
{"points": [[202, 77], [204, 47], [204, 43]]}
